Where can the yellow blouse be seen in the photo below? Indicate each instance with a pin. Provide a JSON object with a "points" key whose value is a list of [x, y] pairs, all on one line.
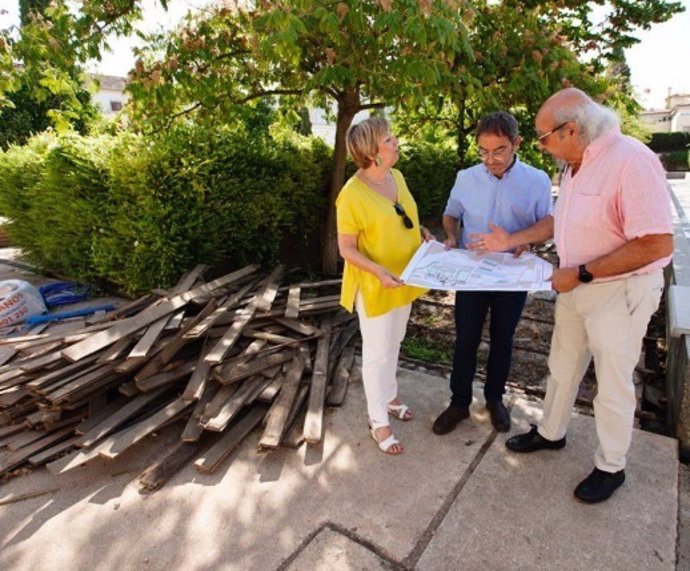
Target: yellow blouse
{"points": [[381, 237]]}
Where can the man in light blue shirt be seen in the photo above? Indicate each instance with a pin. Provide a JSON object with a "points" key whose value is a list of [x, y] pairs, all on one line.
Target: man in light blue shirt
{"points": [[501, 191]]}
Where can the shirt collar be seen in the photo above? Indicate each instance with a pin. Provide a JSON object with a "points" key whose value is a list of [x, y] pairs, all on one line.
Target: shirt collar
{"points": [[600, 144], [505, 174]]}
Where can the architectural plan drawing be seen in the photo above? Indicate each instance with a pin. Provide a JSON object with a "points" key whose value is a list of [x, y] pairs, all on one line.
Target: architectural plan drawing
{"points": [[437, 268]]}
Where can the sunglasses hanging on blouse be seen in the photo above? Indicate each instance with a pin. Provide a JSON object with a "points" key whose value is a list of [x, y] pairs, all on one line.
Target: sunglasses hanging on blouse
{"points": [[400, 211]]}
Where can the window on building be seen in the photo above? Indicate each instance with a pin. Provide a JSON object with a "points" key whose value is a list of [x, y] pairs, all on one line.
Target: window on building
{"points": [[115, 105]]}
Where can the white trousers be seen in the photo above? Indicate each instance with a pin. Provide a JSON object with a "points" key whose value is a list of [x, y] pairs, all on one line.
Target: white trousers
{"points": [[381, 338], [607, 321]]}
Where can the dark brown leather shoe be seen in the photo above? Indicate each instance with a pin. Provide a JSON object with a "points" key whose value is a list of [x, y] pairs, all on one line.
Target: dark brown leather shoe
{"points": [[449, 419], [499, 415], [532, 441]]}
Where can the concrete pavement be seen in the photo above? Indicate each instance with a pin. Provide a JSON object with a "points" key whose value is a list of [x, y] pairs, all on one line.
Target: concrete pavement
{"points": [[461, 501]]}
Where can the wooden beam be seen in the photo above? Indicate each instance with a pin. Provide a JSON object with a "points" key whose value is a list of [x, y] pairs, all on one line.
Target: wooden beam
{"points": [[292, 309], [281, 408], [46, 455], [109, 336], [313, 423], [235, 373], [341, 379], [214, 457], [270, 289], [193, 429], [156, 475], [245, 394], [145, 344], [6, 353], [298, 326], [113, 421], [166, 377], [116, 444], [20, 456], [199, 329], [173, 345]]}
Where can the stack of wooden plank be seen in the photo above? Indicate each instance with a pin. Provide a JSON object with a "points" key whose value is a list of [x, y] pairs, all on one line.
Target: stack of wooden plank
{"points": [[221, 358]]}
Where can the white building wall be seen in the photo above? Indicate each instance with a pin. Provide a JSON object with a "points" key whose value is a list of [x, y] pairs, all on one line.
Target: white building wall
{"points": [[681, 118], [109, 101]]}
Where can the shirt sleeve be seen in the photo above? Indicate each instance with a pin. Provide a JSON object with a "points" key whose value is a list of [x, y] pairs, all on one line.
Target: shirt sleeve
{"points": [[545, 201], [346, 216], [454, 207], [645, 201]]}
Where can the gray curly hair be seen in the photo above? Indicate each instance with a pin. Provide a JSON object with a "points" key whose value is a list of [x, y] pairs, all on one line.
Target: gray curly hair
{"points": [[592, 118]]}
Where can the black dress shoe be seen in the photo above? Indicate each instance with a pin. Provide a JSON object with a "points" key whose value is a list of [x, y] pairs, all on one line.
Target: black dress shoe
{"points": [[499, 415], [531, 441], [599, 486], [449, 419]]}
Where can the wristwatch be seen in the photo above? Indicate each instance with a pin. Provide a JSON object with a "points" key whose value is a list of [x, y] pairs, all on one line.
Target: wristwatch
{"points": [[583, 275]]}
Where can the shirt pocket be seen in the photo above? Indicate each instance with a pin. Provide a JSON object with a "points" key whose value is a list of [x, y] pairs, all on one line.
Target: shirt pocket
{"points": [[590, 190]]}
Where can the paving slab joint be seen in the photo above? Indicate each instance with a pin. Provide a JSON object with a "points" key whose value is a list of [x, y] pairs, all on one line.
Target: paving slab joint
{"points": [[411, 560], [375, 549]]}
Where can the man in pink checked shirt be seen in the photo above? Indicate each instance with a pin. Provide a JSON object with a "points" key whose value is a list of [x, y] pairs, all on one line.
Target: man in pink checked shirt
{"points": [[613, 230]]}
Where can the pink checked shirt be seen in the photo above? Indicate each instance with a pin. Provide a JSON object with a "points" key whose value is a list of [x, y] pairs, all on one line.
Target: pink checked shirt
{"points": [[618, 194]]}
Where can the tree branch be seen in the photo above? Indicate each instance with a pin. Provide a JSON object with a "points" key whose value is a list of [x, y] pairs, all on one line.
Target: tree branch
{"points": [[372, 106]]}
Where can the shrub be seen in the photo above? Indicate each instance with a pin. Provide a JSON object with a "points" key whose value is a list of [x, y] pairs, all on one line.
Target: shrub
{"points": [[429, 171], [676, 160], [52, 190], [139, 211], [668, 142]]}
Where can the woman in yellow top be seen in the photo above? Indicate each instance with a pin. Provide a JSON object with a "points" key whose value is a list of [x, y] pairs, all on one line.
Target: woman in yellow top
{"points": [[378, 233]]}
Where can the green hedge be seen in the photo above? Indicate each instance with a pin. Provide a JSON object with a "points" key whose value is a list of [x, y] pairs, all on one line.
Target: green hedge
{"points": [[137, 212], [430, 172], [676, 160], [668, 142]]}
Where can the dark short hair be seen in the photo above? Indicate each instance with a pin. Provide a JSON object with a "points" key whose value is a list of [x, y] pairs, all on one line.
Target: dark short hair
{"points": [[499, 123]]}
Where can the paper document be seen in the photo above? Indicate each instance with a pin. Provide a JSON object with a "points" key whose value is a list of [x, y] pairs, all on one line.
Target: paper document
{"points": [[434, 267]]}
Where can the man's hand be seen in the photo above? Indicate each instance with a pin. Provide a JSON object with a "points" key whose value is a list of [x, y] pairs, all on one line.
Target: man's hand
{"points": [[564, 280], [498, 240], [450, 242], [520, 250]]}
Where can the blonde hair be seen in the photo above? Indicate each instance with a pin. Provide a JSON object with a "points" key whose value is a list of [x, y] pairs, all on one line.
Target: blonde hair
{"points": [[362, 140]]}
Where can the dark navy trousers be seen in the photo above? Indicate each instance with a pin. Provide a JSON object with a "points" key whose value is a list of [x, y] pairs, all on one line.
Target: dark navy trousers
{"points": [[471, 308]]}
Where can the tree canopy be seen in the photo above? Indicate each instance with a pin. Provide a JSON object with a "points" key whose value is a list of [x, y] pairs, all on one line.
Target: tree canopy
{"points": [[433, 63]]}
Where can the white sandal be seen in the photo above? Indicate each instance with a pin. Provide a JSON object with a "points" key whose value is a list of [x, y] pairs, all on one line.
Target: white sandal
{"points": [[400, 411], [384, 445]]}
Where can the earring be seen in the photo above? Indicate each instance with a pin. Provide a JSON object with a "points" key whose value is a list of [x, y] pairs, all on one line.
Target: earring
{"points": [[377, 160]]}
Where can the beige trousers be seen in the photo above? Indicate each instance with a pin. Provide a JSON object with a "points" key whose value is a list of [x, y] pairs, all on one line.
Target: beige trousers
{"points": [[606, 321], [381, 338]]}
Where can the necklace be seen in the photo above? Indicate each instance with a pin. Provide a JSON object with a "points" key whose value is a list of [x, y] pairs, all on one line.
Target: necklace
{"points": [[385, 187]]}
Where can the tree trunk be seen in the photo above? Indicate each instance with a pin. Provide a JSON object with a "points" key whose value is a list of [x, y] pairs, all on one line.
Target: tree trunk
{"points": [[348, 105]]}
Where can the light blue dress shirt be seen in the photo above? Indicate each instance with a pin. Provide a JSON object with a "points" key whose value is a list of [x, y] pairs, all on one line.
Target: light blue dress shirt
{"points": [[514, 202]]}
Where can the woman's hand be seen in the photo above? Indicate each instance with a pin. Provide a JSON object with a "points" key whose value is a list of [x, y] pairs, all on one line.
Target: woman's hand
{"points": [[426, 235], [388, 280]]}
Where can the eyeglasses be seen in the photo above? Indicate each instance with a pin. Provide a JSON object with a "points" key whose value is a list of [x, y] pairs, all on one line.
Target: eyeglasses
{"points": [[400, 211], [541, 138], [500, 153]]}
